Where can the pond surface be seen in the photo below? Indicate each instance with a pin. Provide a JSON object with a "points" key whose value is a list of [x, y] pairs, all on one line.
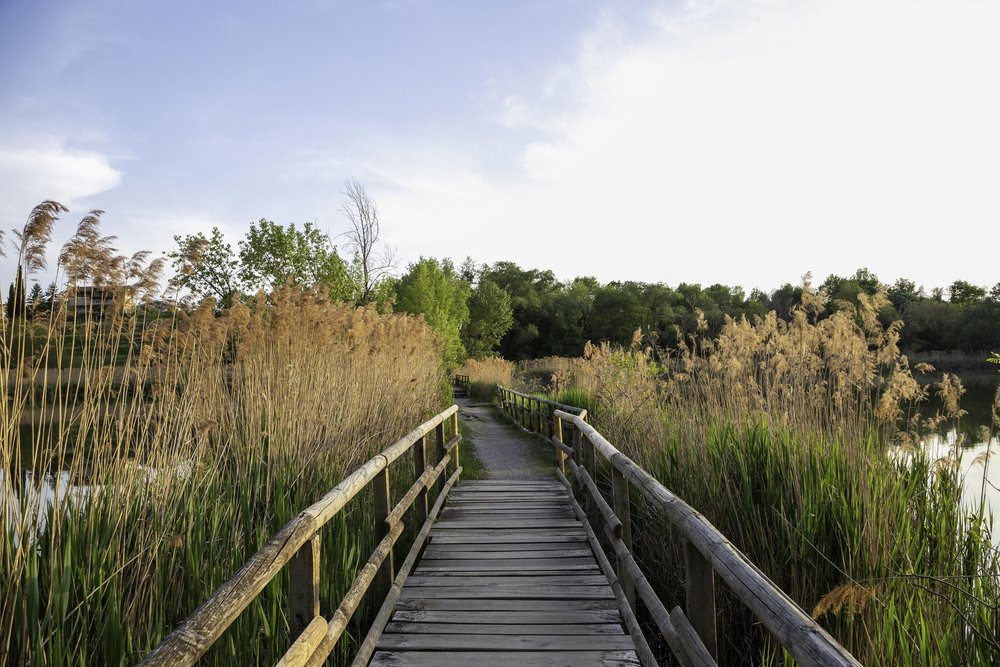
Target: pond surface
{"points": [[981, 478]]}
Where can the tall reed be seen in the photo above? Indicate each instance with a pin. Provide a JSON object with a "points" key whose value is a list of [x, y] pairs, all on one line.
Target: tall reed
{"points": [[175, 447], [797, 441]]}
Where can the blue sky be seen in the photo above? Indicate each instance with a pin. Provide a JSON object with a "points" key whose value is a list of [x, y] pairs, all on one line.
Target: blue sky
{"points": [[735, 141]]}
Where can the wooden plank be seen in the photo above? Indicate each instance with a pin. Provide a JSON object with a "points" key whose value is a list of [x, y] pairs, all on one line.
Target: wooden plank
{"points": [[492, 524], [458, 580], [507, 515], [499, 537], [458, 565], [498, 547], [490, 604], [527, 573], [504, 617], [444, 642], [504, 659], [441, 552], [508, 592], [400, 627]]}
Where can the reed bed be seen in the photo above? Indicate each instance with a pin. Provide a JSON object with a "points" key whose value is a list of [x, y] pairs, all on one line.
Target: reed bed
{"points": [[175, 447], [797, 440], [486, 374]]}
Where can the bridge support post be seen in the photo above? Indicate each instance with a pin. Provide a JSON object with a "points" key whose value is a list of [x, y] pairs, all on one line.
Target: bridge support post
{"points": [[701, 597], [456, 459], [557, 433], [303, 588], [383, 505], [419, 466], [439, 443], [623, 510]]}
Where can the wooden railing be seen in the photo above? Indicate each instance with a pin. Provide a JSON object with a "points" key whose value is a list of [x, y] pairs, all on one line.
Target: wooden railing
{"points": [[462, 381], [297, 545], [690, 632]]}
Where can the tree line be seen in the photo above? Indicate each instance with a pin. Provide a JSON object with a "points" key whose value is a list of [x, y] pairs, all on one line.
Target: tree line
{"points": [[479, 310]]}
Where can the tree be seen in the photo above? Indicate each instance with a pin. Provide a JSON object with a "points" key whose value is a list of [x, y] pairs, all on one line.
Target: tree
{"points": [[272, 255], [15, 297], [490, 317], [373, 260], [206, 267], [966, 294], [36, 299], [435, 290]]}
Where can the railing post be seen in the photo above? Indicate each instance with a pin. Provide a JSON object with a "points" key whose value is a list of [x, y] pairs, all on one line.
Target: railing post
{"points": [[419, 466], [557, 433], [623, 510], [577, 453], [590, 464], [456, 459], [383, 505], [701, 597], [303, 587], [439, 443]]}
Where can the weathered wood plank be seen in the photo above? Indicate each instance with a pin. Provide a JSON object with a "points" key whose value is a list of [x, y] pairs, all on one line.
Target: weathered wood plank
{"points": [[589, 629], [507, 537], [504, 659], [504, 617], [528, 573], [457, 565], [440, 552], [491, 604], [498, 547], [505, 642], [513, 580], [500, 522], [509, 592]]}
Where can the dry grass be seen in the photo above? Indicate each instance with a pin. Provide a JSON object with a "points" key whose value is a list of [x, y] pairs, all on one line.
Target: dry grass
{"points": [[782, 434], [486, 374], [224, 427]]}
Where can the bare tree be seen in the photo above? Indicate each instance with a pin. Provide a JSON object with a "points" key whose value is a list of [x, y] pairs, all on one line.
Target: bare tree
{"points": [[375, 260]]}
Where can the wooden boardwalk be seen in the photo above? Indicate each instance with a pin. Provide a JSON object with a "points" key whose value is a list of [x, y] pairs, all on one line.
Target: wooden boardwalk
{"points": [[507, 578]]}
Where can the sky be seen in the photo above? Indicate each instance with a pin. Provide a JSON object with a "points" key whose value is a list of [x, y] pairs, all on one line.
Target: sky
{"points": [[742, 142]]}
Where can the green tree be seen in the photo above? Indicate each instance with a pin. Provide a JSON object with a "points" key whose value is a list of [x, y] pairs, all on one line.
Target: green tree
{"points": [[490, 318], [272, 255], [206, 267], [15, 297], [435, 290], [964, 293]]}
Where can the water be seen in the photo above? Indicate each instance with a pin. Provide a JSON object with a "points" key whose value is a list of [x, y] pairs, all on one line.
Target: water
{"points": [[981, 479]]}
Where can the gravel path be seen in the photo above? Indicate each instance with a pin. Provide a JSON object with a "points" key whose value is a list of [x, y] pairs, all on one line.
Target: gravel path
{"points": [[505, 451]]}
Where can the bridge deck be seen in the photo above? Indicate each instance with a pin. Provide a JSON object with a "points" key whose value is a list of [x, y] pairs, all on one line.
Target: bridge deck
{"points": [[508, 577]]}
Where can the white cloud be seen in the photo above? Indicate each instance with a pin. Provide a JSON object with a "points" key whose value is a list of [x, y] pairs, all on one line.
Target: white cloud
{"points": [[744, 143], [47, 169]]}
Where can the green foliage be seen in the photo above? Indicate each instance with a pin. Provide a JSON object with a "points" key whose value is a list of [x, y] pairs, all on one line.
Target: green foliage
{"points": [[435, 290], [490, 317], [272, 255], [15, 297], [207, 267]]}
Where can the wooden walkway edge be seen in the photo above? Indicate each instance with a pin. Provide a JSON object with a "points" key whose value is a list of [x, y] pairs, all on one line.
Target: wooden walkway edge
{"points": [[508, 577]]}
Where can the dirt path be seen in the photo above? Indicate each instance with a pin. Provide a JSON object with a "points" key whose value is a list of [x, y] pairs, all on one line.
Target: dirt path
{"points": [[505, 451]]}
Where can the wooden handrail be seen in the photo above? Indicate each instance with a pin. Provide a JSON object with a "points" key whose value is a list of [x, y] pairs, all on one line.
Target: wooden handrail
{"points": [[298, 541], [709, 554]]}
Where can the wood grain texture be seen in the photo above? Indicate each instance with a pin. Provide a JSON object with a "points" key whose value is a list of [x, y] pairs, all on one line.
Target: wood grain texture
{"points": [[508, 577]]}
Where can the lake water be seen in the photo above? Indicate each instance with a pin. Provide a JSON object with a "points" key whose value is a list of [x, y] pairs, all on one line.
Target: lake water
{"points": [[980, 480]]}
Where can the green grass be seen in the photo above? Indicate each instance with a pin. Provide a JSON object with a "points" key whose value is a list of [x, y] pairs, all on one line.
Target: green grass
{"points": [[472, 467]]}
